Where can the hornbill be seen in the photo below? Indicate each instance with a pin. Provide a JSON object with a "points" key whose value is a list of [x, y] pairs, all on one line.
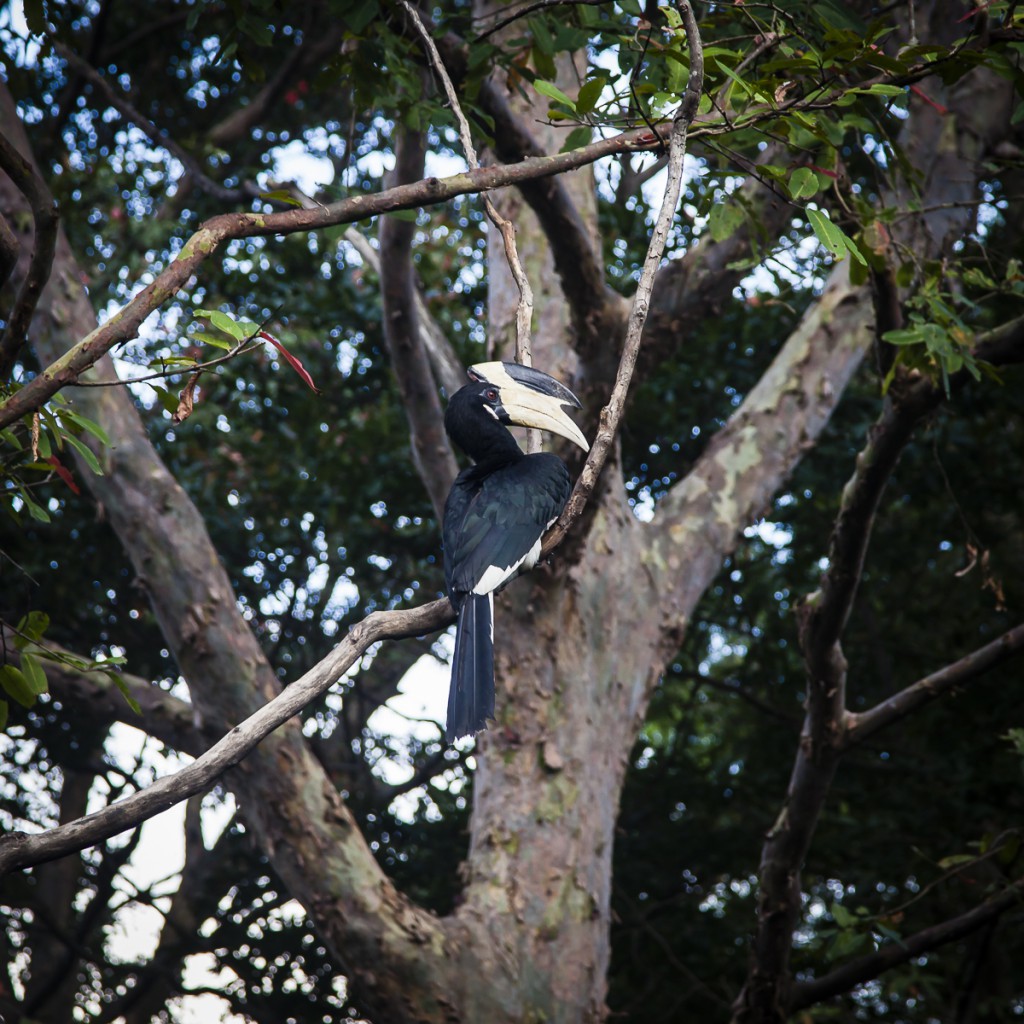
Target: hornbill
{"points": [[496, 514]]}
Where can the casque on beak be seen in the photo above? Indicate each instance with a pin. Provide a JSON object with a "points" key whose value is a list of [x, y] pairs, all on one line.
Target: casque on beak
{"points": [[531, 398]]}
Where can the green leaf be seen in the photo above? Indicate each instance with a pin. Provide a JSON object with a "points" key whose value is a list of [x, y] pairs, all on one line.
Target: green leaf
{"points": [[16, 686], [118, 681], [409, 216], [4, 710], [553, 92], [847, 943], [88, 455], [228, 324], [590, 93], [740, 83], [853, 249], [576, 138], [541, 36], [725, 219], [833, 237], [35, 510], [168, 402], [842, 916], [955, 860], [880, 89], [88, 425], [9, 437], [803, 183], [904, 336], [281, 195], [209, 339], [34, 675], [674, 18], [32, 626]]}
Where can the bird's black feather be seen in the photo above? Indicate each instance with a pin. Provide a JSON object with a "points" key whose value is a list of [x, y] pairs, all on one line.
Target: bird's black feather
{"points": [[495, 515], [471, 697]]}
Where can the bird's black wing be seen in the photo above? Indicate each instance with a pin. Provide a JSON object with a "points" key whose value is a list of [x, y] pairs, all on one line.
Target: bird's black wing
{"points": [[492, 524]]}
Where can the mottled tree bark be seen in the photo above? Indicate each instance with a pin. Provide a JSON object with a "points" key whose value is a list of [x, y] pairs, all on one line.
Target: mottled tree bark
{"points": [[580, 646]]}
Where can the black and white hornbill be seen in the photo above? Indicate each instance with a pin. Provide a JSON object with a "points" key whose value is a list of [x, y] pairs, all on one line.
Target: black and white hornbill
{"points": [[496, 514]]}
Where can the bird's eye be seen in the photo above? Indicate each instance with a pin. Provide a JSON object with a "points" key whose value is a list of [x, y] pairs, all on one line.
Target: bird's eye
{"points": [[491, 394]]}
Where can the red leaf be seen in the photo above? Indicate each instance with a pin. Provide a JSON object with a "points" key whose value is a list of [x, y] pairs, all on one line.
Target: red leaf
{"points": [[938, 106], [296, 364], [64, 473]]}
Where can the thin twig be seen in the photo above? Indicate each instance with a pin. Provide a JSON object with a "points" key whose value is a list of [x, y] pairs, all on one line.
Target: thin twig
{"points": [[611, 414], [524, 310], [537, 6], [243, 346]]}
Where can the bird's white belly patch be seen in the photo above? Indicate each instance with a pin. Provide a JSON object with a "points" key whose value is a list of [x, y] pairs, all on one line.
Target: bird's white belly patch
{"points": [[494, 576]]}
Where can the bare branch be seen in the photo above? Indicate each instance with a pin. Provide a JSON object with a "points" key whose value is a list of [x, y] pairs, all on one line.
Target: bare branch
{"points": [[537, 5], [806, 993], [18, 850], [432, 454], [123, 325], [860, 726], [156, 135], [45, 217], [524, 310], [825, 612], [611, 414], [448, 370]]}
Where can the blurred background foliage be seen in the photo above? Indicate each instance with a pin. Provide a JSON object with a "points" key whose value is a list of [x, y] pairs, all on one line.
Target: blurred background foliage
{"points": [[315, 508]]}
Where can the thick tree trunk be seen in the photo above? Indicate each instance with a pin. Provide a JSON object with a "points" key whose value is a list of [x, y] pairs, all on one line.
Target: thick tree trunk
{"points": [[391, 949], [579, 648]]}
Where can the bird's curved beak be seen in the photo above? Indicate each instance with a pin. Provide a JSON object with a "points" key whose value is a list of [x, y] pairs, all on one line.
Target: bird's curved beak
{"points": [[532, 398]]}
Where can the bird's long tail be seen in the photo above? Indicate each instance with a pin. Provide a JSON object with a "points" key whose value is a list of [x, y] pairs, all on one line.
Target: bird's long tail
{"points": [[471, 696]]}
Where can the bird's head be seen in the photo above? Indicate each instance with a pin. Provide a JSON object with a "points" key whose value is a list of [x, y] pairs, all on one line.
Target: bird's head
{"points": [[524, 397]]}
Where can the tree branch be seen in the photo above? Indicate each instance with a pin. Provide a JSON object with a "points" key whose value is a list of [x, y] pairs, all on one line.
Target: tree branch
{"points": [[611, 414], [156, 135], [8, 251], [448, 369], [45, 217], [1003, 345], [858, 727], [318, 43], [824, 613], [432, 454], [123, 325], [806, 993], [18, 850]]}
